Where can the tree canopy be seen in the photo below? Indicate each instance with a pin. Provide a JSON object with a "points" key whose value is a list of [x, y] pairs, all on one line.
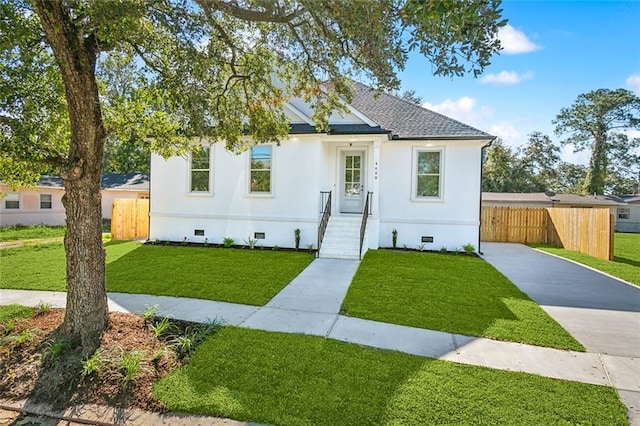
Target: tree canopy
{"points": [[75, 73], [597, 121]]}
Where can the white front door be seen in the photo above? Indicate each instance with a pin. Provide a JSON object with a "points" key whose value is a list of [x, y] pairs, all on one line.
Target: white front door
{"points": [[352, 191]]}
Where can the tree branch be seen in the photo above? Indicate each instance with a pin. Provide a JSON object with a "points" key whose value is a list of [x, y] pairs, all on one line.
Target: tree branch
{"points": [[266, 15]]}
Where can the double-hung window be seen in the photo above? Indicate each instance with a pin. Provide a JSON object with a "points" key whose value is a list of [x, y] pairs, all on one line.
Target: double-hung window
{"points": [[428, 177], [45, 201], [260, 174], [12, 201], [200, 169]]}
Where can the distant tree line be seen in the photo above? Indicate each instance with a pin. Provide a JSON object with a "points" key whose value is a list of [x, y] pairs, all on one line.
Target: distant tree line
{"points": [[598, 121]]}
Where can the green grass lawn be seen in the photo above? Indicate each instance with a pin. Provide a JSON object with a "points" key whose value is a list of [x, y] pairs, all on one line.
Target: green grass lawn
{"points": [[286, 379], [10, 312], [250, 277], [30, 232], [625, 263], [454, 293]]}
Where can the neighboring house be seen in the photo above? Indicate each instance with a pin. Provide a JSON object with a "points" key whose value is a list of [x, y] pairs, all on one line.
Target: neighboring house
{"points": [[419, 170], [43, 204], [540, 199], [628, 217]]}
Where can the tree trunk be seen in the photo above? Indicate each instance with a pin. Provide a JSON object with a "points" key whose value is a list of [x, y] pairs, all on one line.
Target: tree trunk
{"points": [[597, 173], [86, 315]]}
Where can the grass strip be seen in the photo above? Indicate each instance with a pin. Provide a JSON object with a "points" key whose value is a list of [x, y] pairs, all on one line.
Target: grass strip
{"points": [[9, 312], [250, 277], [286, 379], [453, 293], [30, 232]]}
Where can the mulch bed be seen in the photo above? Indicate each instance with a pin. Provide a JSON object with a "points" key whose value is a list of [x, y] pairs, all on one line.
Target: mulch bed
{"points": [[33, 369]]}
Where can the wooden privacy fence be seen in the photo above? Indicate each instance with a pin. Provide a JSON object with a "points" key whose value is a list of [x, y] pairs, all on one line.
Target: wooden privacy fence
{"points": [[129, 219], [588, 231]]}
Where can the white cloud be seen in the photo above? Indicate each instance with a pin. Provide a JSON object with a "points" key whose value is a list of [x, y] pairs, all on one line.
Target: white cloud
{"points": [[463, 109], [568, 154], [506, 78], [514, 42], [633, 83], [507, 132]]}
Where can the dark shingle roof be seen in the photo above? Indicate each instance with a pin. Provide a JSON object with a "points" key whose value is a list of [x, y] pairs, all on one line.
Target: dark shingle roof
{"points": [[409, 121], [541, 197], [127, 181], [337, 129]]}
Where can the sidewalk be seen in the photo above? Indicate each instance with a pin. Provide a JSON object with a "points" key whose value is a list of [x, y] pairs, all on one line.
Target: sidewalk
{"points": [[310, 305]]}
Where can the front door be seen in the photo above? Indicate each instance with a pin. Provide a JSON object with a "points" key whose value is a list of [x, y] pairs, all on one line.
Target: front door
{"points": [[352, 191]]}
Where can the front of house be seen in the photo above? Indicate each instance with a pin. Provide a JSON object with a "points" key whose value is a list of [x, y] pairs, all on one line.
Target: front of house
{"points": [[413, 170]]}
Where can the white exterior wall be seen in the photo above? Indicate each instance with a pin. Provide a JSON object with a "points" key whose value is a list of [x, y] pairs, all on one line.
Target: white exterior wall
{"points": [[453, 220], [30, 212], [633, 223], [230, 210], [302, 167]]}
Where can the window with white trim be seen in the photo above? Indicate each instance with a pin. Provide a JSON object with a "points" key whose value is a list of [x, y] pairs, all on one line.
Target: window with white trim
{"points": [[624, 212], [200, 169], [12, 201], [260, 179], [427, 177], [45, 201]]}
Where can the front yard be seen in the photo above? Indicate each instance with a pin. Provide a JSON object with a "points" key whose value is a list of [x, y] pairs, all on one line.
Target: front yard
{"points": [[286, 379], [625, 263], [249, 277], [454, 293]]}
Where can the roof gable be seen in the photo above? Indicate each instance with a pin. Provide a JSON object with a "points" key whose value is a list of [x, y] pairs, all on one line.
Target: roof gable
{"points": [[409, 121]]}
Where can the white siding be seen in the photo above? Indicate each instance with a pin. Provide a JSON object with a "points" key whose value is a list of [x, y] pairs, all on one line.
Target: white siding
{"points": [[30, 212], [301, 168]]}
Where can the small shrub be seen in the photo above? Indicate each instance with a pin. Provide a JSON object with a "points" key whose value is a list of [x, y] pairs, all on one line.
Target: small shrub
{"points": [[443, 249], [394, 237], [41, 309], [421, 246], [92, 364], [469, 248], [8, 326], [296, 234], [23, 337], [227, 242], [55, 349], [251, 242], [185, 241], [310, 248], [275, 248], [163, 326], [149, 313], [131, 365]]}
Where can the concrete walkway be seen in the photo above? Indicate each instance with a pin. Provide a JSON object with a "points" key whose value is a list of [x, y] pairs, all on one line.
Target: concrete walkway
{"points": [[310, 305]]}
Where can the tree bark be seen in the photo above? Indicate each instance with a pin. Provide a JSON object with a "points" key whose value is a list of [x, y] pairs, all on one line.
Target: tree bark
{"points": [[86, 314]]}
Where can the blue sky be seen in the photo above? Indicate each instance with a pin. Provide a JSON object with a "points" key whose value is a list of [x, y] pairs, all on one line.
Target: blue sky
{"points": [[553, 52]]}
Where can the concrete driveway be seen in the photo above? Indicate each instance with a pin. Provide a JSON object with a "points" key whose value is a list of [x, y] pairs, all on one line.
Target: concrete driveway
{"points": [[603, 313]]}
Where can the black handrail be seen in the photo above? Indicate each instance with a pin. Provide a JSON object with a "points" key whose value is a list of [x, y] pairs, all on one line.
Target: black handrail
{"points": [[363, 225], [326, 214]]}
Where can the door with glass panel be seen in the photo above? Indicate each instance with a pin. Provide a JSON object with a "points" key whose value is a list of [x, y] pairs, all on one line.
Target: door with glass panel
{"points": [[352, 190]]}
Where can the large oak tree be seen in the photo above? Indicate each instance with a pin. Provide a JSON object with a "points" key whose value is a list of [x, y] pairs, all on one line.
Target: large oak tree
{"points": [[74, 72]]}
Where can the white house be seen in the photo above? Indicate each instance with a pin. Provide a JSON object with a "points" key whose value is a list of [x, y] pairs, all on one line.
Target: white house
{"points": [[43, 203], [414, 170], [628, 216]]}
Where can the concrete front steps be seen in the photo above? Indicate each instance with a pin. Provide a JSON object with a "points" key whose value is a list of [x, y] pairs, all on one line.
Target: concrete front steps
{"points": [[342, 238]]}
